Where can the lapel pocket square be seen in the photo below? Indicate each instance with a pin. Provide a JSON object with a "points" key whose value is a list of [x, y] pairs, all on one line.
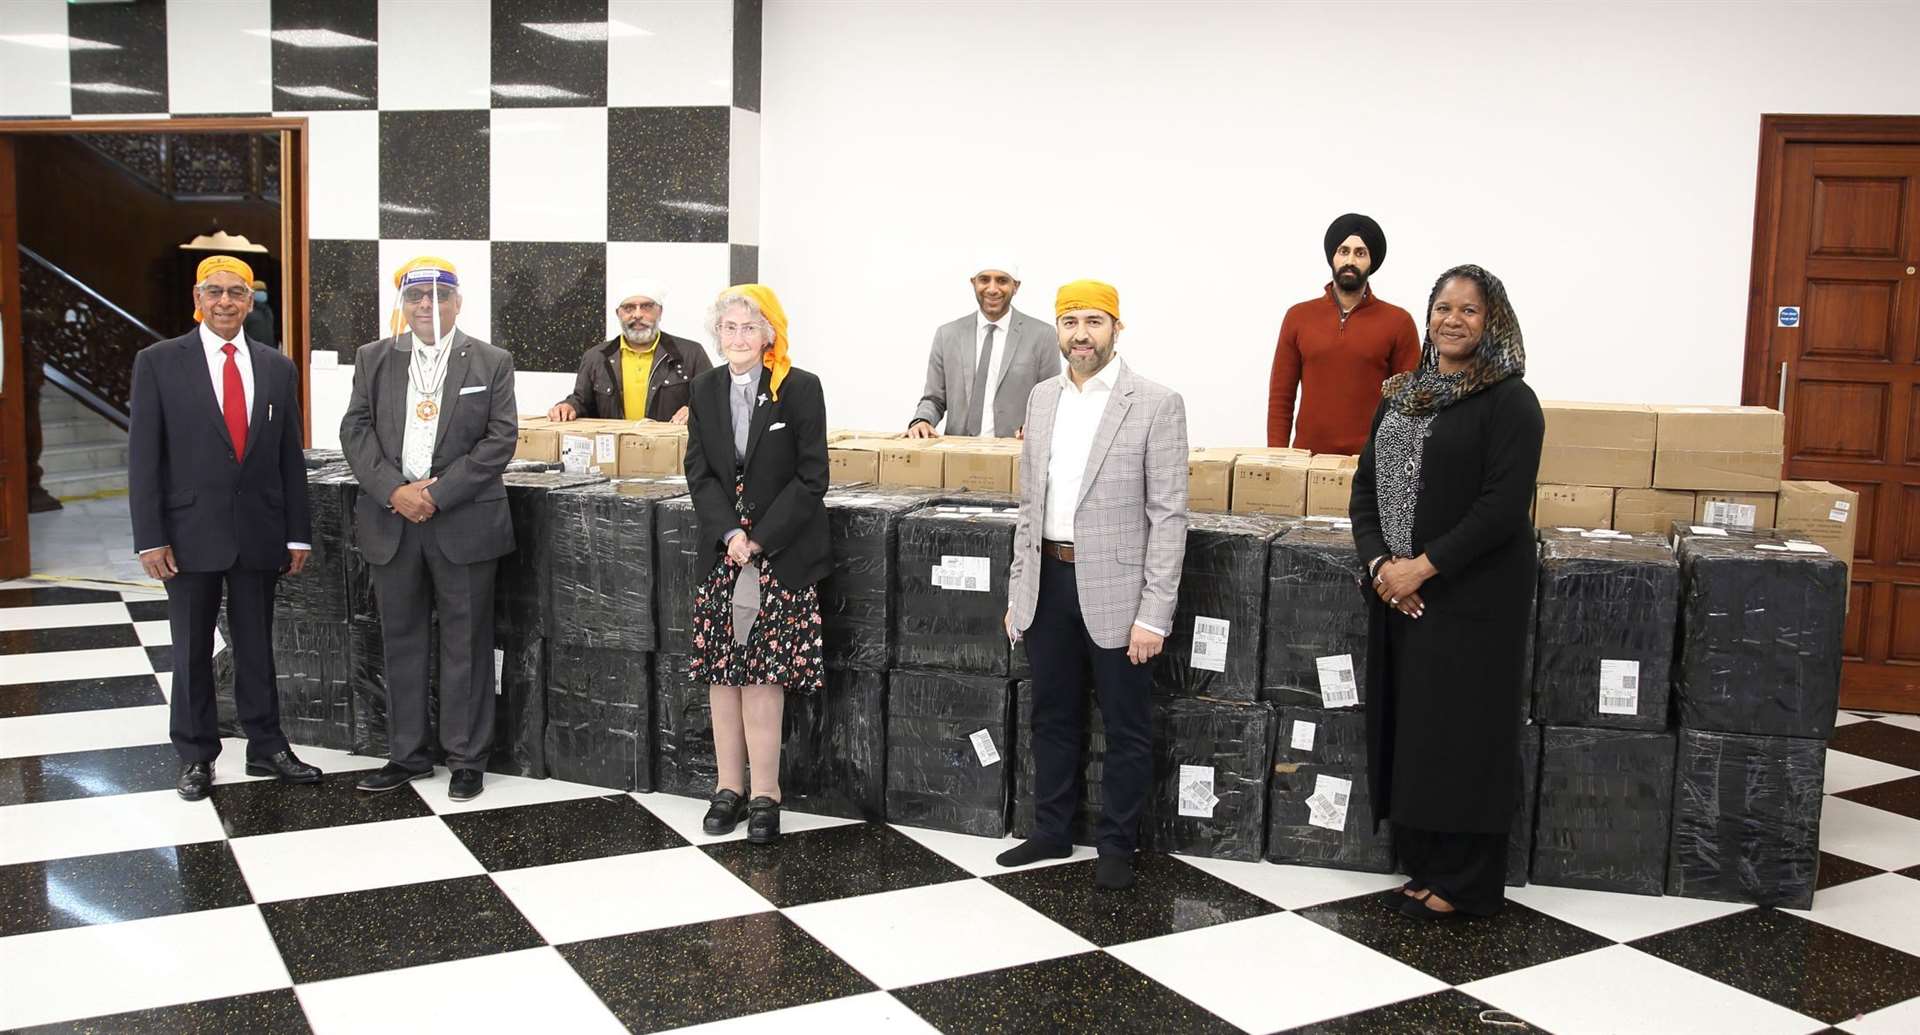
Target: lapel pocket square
{"points": [[776, 425], [470, 389]]}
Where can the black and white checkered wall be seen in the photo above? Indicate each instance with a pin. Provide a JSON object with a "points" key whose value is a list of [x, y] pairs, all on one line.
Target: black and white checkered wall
{"points": [[555, 150]]}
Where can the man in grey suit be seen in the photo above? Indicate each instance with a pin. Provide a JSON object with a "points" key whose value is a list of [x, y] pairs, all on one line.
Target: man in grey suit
{"points": [[1096, 567], [984, 364], [428, 431]]}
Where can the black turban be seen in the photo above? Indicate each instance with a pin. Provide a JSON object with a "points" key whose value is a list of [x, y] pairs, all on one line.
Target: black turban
{"points": [[1354, 223]]}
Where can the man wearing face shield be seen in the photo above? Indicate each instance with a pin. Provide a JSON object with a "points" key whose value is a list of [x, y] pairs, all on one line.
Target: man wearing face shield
{"points": [[428, 431], [643, 373], [984, 364]]}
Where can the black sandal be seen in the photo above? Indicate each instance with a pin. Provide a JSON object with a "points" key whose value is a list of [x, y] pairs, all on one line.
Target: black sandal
{"points": [[1418, 908]]}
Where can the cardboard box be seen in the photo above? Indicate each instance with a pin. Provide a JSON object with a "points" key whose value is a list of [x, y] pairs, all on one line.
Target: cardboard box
{"points": [[1650, 510], [1266, 483], [842, 434], [1210, 479], [538, 443], [912, 462], [1598, 444], [1735, 509], [1573, 506], [1330, 484], [1723, 448], [980, 464], [655, 450], [852, 460], [1821, 512]]}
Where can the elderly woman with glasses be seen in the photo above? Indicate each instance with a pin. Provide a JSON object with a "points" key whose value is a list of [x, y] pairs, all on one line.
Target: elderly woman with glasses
{"points": [[757, 469]]}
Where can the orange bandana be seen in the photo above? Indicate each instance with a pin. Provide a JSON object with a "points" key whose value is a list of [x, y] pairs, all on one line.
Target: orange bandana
{"points": [[213, 264], [1087, 294]]}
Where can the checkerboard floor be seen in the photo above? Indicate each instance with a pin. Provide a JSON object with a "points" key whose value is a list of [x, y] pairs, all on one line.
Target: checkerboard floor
{"points": [[557, 907]]}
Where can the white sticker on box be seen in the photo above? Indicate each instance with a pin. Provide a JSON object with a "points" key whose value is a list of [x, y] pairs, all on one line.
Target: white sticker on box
{"points": [[1327, 806], [1564, 528], [1196, 791], [1727, 512], [1841, 508], [968, 574], [1210, 643], [499, 668], [1770, 547], [1619, 686], [1303, 735], [983, 748], [1706, 530], [1799, 546], [1338, 688], [576, 453], [605, 448]]}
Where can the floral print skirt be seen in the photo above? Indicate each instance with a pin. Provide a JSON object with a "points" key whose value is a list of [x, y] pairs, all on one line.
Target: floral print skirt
{"points": [[784, 647]]}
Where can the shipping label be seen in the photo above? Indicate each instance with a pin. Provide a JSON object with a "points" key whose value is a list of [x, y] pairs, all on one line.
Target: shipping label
{"points": [[968, 574], [1196, 791], [983, 748], [1327, 806], [1210, 643], [1619, 686], [1338, 688]]}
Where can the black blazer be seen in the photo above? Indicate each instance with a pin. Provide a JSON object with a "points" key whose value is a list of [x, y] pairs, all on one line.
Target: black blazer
{"points": [[185, 487], [786, 473], [598, 392]]}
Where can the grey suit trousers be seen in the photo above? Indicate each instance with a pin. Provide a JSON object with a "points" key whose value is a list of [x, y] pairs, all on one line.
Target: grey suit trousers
{"points": [[418, 581]]}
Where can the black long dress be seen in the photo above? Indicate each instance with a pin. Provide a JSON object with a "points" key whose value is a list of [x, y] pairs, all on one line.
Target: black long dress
{"points": [[1444, 690]]}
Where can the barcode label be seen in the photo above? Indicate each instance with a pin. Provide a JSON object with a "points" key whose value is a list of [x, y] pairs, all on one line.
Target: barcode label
{"points": [[1840, 510], [576, 453], [1338, 688], [1731, 514], [983, 748], [1196, 791], [604, 448], [1327, 806], [1303, 735], [1210, 643], [1619, 686], [968, 574]]}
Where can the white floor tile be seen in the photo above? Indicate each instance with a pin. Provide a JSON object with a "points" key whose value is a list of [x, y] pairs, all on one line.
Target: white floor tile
{"points": [[78, 664], [165, 679], [1846, 718], [1885, 909], [114, 823], [530, 990], [1911, 722], [1898, 1019], [1846, 772], [684, 815], [113, 968], [232, 766], [499, 792], [1622, 918], [1620, 989], [1233, 970], [62, 616], [595, 898], [916, 935], [355, 857], [975, 854], [157, 633], [872, 1012], [1296, 887], [1869, 835], [83, 731]]}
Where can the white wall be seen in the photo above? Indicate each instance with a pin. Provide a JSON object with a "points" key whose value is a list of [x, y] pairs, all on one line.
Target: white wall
{"points": [[1599, 157]]}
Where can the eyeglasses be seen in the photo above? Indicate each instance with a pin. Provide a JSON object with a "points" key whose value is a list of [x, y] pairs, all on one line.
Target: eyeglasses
{"points": [[420, 294], [731, 330], [232, 294]]}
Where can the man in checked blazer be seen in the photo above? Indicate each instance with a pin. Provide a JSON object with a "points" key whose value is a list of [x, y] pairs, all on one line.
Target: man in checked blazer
{"points": [[1096, 567], [987, 398]]}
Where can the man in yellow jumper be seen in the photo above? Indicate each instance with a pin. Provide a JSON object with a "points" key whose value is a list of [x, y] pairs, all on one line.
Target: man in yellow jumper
{"points": [[644, 373]]}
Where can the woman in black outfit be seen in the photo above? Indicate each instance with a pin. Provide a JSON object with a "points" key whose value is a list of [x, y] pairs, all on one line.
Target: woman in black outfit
{"points": [[1440, 514], [757, 469]]}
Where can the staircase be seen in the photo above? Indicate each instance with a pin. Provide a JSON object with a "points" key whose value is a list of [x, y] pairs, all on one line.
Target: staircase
{"points": [[83, 454]]}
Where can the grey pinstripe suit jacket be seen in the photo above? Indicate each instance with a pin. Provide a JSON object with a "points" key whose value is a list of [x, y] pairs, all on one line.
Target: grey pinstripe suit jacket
{"points": [[1130, 525]]}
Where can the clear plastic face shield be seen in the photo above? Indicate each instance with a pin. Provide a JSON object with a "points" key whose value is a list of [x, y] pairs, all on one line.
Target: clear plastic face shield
{"points": [[430, 289]]}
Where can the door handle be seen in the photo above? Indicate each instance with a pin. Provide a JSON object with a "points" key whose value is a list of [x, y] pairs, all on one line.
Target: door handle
{"points": [[1783, 387]]}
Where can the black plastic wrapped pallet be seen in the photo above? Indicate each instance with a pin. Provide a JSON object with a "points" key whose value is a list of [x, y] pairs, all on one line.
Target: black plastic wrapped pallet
{"points": [[599, 716], [1093, 752], [601, 563], [1607, 609], [318, 458], [682, 730], [679, 564], [1210, 765], [1520, 837], [367, 682], [1223, 579], [1315, 612], [523, 582], [1606, 805], [319, 592], [950, 581], [313, 676], [833, 761], [520, 707], [935, 775], [1310, 743], [1761, 632], [226, 710], [1746, 818], [856, 600]]}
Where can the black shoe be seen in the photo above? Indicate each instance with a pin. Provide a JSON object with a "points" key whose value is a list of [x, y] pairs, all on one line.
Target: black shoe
{"points": [[1031, 852], [763, 821], [724, 813], [195, 779], [389, 777], [465, 785], [1418, 908], [284, 767], [1113, 872]]}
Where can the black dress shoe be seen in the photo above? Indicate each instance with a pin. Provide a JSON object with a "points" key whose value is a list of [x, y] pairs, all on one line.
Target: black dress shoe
{"points": [[724, 812], [465, 785], [763, 821], [195, 779], [1031, 852], [1113, 872], [389, 777], [285, 768]]}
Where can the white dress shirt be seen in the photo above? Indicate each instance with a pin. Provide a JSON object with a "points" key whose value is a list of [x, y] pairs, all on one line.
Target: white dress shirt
{"points": [[416, 444], [980, 325]]}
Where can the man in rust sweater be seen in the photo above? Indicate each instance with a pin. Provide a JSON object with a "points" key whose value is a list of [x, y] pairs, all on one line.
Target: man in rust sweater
{"points": [[1335, 349]]}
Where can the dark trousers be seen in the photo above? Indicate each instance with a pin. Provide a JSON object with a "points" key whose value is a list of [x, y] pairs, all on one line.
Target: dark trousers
{"points": [[193, 606], [418, 584], [1065, 659]]}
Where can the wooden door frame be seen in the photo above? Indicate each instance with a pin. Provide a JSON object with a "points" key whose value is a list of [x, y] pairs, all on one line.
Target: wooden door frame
{"points": [[16, 554]]}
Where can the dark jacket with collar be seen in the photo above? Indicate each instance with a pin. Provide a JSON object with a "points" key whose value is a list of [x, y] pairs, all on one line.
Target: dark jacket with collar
{"points": [[786, 473], [598, 392], [184, 485]]}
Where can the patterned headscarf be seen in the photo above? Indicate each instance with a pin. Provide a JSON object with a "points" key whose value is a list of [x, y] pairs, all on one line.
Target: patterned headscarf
{"points": [[1499, 356]]}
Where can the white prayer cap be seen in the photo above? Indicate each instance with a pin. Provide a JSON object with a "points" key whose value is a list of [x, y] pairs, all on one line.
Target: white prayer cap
{"points": [[652, 290], [1003, 263]]}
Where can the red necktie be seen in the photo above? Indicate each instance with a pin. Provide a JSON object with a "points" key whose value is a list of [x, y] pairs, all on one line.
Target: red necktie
{"points": [[233, 403]]}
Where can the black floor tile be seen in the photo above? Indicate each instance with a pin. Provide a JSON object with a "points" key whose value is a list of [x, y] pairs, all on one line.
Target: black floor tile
{"points": [[42, 596], [161, 657], [272, 807], [677, 976], [256, 1013], [1432, 1014], [106, 889], [88, 774], [361, 932], [73, 637], [837, 862], [147, 610], [1901, 796], [79, 695], [1456, 951], [1911, 871], [561, 831], [1804, 966], [1835, 871], [1091, 992], [1880, 741], [1168, 897]]}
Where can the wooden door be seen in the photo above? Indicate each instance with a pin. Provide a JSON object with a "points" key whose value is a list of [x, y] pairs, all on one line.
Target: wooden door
{"points": [[1845, 248], [15, 561]]}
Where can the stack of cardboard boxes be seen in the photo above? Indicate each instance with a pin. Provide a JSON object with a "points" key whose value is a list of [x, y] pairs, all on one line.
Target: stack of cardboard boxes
{"points": [[614, 448]]}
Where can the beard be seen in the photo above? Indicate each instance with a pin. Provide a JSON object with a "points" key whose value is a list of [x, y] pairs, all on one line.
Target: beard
{"points": [[637, 335], [1349, 278]]}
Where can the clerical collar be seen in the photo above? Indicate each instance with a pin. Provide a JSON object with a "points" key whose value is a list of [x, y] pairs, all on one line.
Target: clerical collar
{"points": [[747, 378]]}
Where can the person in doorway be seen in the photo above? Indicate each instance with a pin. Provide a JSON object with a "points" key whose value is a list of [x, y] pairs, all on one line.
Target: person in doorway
{"points": [[757, 469], [1440, 515], [984, 364], [1096, 564], [262, 326], [1336, 348], [644, 373]]}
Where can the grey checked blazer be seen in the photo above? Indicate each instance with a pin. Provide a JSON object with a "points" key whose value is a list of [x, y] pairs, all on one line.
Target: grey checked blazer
{"points": [[1130, 527], [1033, 356]]}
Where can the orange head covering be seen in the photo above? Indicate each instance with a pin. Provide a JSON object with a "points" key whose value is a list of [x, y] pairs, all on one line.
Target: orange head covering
{"points": [[777, 362], [427, 269], [216, 264], [1087, 294]]}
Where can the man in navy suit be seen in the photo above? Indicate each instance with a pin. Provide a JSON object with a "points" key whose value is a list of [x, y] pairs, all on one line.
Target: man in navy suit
{"points": [[218, 489]]}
